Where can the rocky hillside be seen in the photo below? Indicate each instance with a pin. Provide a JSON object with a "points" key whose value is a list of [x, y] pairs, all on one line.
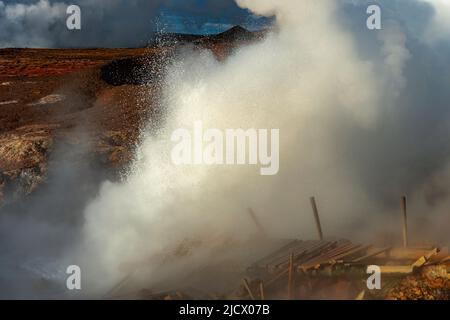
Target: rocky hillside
{"points": [[80, 106]]}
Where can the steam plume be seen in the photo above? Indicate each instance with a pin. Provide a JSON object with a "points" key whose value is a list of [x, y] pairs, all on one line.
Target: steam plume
{"points": [[349, 135]]}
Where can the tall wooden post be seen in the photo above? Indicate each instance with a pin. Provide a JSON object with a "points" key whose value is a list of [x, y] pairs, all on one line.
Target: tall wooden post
{"points": [[405, 222], [291, 276], [316, 217], [247, 287], [261, 291]]}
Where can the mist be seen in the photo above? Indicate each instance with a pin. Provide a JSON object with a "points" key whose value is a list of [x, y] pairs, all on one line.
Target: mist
{"points": [[363, 119], [359, 127]]}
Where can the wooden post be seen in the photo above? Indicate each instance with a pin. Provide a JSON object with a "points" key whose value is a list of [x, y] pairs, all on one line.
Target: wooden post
{"points": [[261, 291], [291, 276], [261, 229], [247, 287], [405, 222], [316, 217]]}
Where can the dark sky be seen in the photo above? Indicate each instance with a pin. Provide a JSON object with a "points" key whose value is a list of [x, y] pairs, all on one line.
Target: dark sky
{"points": [[114, 23], [130, 23]]}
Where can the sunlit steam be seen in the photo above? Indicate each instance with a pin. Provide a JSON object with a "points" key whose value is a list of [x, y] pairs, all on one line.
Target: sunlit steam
{"points": [[337, 110]]}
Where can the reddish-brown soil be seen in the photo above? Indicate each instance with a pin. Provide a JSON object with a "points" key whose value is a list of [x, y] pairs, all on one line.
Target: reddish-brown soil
{"points": [[45, 62], [92, 100], [68, 103]]}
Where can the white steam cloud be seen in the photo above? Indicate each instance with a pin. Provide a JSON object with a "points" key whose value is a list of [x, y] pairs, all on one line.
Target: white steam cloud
{"points": [[104, 23], [439, 29], [29, 25], [342, 139]]}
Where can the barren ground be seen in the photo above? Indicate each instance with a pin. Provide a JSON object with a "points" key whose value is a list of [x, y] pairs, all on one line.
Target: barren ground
{"points": [[92, 102]]}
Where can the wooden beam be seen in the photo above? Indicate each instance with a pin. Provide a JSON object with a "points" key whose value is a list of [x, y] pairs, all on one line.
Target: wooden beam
{"points": [[261, 291], [278, 253], [356, 249], [373, 254], [432, 253], [277, 277], [419, 263], [316, 217], [437, 258], [249, 291], [291, 276], [410, 253], [327, 256], [405, 222], [424, 259], [396, 269], [361, 295]]}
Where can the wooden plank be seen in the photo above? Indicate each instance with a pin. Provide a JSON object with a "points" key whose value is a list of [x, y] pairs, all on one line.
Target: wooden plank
{"points": [[396, 269], [437, 258], [351, 252], [370, 255], [299, 252], [424, 259], [247, 287], [277, 277], [361, 295], [326, 256], [419, 263], [410, 253], [343, 251], [309, 254], [285, 264], [431, 254], [297, 249], [318, 257], [261, 291], [277, 253], [291, 276]]}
